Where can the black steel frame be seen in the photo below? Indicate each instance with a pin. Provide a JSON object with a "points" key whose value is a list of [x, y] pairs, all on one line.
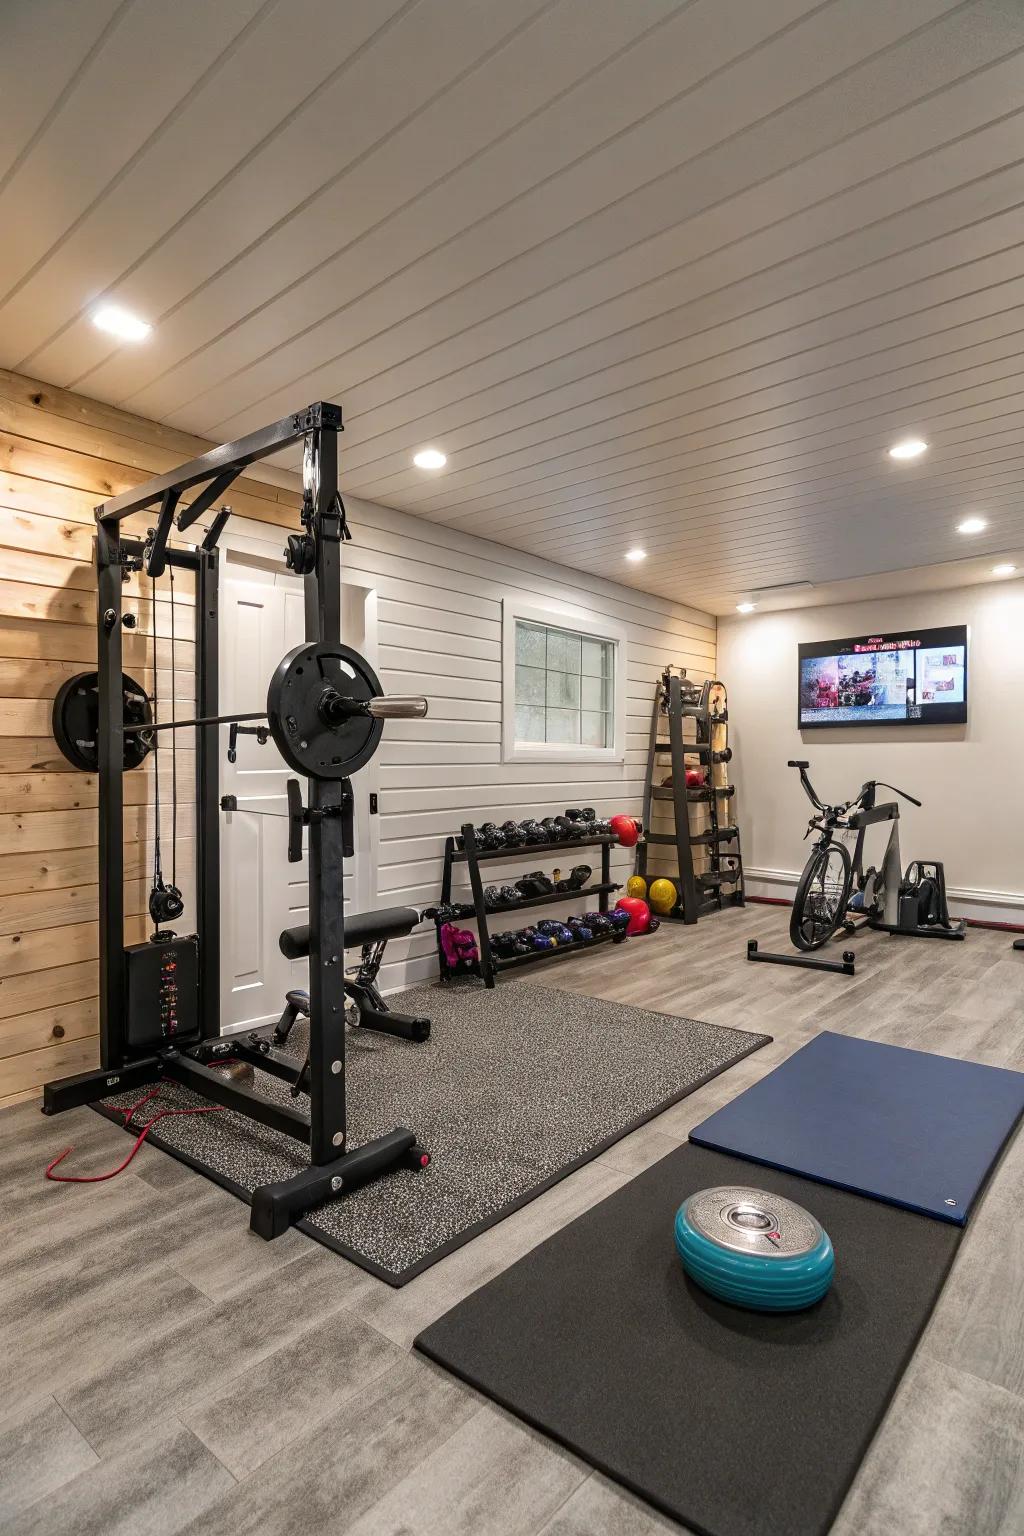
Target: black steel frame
{"points": [[332, 1166]]}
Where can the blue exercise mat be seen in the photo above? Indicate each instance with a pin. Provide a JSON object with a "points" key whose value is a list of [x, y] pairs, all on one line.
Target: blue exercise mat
{"points": [[913, 1129]]}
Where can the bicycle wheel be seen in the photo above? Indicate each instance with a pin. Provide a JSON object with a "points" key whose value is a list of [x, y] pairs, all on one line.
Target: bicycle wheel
{"points": [[821, 897]]}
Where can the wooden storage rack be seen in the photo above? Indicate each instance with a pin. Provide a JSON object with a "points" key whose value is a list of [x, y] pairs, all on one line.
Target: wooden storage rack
{"points": [[677, 700]]}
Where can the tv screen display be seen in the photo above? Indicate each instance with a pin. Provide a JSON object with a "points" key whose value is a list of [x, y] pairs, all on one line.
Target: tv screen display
{"points": [[909, 677]]}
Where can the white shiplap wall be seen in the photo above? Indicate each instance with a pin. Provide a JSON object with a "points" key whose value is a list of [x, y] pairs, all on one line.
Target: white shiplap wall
{"points": [[439, 595]]}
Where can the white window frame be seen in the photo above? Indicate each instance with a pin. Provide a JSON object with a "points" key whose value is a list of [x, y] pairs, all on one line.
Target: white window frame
{"points": [[594, 627]]}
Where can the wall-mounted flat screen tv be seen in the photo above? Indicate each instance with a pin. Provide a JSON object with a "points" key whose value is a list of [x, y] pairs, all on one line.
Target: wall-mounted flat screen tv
{"points": [[909, 677]]}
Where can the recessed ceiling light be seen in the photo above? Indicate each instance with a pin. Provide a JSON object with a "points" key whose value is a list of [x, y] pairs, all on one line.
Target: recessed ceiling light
{"points": [[745, 607], [972, 525], [636, 554], [1006, 569], [910, 448], [430, 458], [119, 322]]}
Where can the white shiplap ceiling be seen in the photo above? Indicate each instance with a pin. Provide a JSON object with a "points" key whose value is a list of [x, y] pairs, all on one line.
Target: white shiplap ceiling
{"points": [[649, 272]]}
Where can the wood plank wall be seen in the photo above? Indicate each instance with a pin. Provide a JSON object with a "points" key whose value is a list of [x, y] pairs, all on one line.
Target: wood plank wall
{"points": [[440, 606], [60, 454]]}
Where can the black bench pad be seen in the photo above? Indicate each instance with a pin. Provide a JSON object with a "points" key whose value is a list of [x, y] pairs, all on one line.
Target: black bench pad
{"points": [[360, 928]]}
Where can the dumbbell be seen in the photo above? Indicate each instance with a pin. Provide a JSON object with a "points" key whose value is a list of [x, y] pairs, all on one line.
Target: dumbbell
{"points": [[530, 831], [598, 922], [489, 837], [511, 831], [556, 930], [581, 813]]}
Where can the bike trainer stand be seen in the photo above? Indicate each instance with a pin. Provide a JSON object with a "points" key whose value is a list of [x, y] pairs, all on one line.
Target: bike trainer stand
{"points": [[843, 967]]}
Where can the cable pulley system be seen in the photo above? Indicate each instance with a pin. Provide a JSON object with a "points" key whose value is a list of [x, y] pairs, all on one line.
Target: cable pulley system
{"points": [[159, 1000]]}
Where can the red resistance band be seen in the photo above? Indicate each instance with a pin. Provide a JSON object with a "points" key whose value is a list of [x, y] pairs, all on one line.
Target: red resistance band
{"points": [[162, 1114]]}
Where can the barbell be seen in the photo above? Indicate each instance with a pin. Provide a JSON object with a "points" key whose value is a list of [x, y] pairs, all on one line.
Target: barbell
{"points": [[325, 710]]}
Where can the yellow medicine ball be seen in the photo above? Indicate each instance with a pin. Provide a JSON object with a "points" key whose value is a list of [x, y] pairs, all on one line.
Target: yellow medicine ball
{"points": [[636, 885], [662, 896]]}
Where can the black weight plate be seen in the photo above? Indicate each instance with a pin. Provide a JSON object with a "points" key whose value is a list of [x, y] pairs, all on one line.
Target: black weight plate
{"points": [[76, 718], [306, 741]]}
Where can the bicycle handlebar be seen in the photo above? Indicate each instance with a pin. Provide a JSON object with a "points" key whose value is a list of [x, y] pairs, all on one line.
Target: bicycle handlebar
{"points": [[864, 798], [898, 791]]}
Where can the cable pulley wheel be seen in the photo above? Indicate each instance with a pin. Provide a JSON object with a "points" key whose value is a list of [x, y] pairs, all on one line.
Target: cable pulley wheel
{"points": [[313, 707], [76, 720]]}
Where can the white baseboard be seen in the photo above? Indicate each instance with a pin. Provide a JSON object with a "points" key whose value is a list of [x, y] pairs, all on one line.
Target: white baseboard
{"points": [[981, 905]]}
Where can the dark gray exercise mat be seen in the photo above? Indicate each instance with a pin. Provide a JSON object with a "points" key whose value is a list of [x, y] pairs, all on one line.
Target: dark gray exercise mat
{"points": [[515, 1088], [736, 1423]]}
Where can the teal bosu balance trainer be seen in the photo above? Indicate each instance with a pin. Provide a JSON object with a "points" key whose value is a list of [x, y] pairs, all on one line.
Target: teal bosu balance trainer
{"points": [[754, 1249]]}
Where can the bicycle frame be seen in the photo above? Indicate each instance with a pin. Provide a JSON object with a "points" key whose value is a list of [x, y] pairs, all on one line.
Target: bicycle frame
{"points": [[879, 889]]}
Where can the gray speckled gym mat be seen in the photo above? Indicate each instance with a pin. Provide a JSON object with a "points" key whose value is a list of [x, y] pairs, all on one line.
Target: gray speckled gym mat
{"points": [[515, 1088]]}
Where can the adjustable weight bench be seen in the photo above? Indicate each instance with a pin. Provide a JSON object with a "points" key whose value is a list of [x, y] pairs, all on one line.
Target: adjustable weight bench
{"points": [[370, 930]]}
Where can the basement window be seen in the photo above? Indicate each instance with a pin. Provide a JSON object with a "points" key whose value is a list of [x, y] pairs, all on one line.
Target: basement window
{"points": [[562, 687]]}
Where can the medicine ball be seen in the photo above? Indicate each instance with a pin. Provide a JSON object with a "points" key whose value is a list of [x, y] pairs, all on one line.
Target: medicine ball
{"points": [[662, 896], [639, 913], [636, 885], [627, 829]]}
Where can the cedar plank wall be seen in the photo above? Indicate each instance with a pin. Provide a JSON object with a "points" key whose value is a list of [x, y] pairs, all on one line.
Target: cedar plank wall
{"points": [[60, 454]]}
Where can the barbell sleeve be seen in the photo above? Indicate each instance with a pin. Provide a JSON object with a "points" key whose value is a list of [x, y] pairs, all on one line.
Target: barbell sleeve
{"points": [[393, 706]]}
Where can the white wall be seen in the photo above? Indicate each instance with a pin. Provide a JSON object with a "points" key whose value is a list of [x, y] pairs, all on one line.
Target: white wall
{"points": [[439, 595], [969, 777]]}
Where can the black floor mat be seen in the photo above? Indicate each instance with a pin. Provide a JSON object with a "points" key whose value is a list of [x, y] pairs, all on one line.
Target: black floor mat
{"points": [[515, 1088], [736, 1423]]}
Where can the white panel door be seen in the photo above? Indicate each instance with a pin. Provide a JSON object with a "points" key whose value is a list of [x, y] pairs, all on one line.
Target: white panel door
{"points": [[262, 617]]}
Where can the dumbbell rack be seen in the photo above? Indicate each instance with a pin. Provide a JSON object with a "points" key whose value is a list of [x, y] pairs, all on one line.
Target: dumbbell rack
{"points": [[677, 700], [472, 855]]}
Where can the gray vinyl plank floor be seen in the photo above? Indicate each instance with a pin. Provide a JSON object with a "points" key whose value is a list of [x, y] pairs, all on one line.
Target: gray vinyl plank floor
{"points": [[163, 1370]]}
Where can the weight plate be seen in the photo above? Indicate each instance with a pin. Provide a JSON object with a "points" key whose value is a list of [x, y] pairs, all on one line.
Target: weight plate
{"points": [[298, 710], [76, 717], [754, 1249]]}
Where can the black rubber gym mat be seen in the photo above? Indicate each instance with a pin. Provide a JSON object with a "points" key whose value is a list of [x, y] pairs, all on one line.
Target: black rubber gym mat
{"points": [[515, 1088], [736, 1423]]}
